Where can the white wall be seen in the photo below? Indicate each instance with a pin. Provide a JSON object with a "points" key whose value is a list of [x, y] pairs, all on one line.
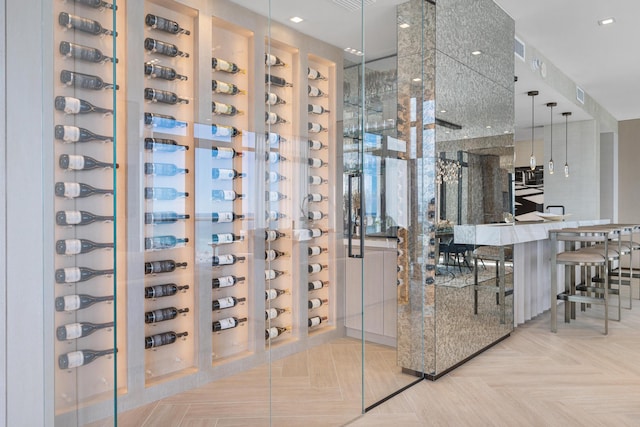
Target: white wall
{"points": [[580, 193]]}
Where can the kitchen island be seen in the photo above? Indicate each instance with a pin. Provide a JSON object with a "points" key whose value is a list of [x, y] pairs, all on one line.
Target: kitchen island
{"points": [[531, 258]]}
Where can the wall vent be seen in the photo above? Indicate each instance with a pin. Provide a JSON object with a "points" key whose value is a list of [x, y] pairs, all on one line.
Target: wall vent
{"points": [[580, 94], [519, 48], [353, 5]]}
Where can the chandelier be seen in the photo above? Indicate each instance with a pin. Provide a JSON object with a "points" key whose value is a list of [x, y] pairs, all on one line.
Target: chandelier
{"points": [[447, 171]]}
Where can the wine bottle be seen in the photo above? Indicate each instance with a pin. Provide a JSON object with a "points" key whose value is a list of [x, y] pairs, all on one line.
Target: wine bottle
{"points": [[227, 259], [83, 24], [316, 268], [273, 176], [225, 174], [227, 302], [314, 91], [71, 105], [274, 332], [163, 145], [166, 290], [79, 246], [316, 215], [314, 74], [316, 180], [273, 293], [78, 358], [225, 216], [97, 4], [72, 331], [274, 216], [273, 312], [76, 134], [79, 301], [316, 302], [274, 196], [272, 235], [272, 254], [228, 323], [316, 145], [224, 153], [163, 121], [167, 217], [225, 88], [273, 61], [164, 266], [225, 131], [271, 98], [225, 281], [316, 127], [85, 81], [274, 157], [163, 96], [79, 218], [316, 320], [276, 81], [156, 71], [72, 190], [317, 284], [164, 24], [84, 53], [272, 274], [163, 48], [316, 109], [163, 193], [163, 169], [165, 338], [274, 138], [79, 274], [315, 250], [315, 162], [226, 66], [316, 232], [224, 109], [76, 162], [273, 119], [157, 243], [316, 197], [225, 195], [224, 238], [163, 314]]}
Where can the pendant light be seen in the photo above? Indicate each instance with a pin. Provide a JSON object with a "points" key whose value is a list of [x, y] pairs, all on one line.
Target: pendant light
{"points": [[532, 159], [551, 105], [566, 143]]}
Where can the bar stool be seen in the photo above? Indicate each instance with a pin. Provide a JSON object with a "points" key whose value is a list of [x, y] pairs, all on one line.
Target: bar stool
{"points": [[500, 255], [585, 258], [631, 244]]}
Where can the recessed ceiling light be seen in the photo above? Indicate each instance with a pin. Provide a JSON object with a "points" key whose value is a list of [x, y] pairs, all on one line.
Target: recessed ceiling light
{"points": [[353, 51], [443, 111], [607, 21], [417, 79], [296, 19], [476, 52], [404, 25], [488, 126], [447, 131], [506, 131]]}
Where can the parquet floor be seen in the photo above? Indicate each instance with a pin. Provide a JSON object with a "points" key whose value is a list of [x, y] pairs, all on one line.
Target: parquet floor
{"points": [[577, 377]]}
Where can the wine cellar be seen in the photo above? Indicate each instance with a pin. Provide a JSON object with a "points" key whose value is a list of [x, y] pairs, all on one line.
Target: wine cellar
{"points": [[180, 214]]}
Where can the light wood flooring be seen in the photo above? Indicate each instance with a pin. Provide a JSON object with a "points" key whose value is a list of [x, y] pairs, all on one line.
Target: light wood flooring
{"points": [[577, 377]]}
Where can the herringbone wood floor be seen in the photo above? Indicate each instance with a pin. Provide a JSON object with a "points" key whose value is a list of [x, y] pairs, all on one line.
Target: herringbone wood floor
{"points": [[577, 377]]}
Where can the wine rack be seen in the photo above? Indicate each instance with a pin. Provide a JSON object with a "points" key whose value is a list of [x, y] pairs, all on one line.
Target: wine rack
{"points": [[320, 138], [281, 106], [226, 157], [167, 176]]}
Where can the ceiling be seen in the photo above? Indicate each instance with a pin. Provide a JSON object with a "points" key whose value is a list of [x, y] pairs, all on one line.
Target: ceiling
{"points": [[602, 60]]}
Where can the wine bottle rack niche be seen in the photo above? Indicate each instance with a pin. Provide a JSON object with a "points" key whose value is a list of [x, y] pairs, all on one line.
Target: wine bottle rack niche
{"points": [[168, 177], [318, 205], [83, 152], [226, 160], [281, 202]]}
